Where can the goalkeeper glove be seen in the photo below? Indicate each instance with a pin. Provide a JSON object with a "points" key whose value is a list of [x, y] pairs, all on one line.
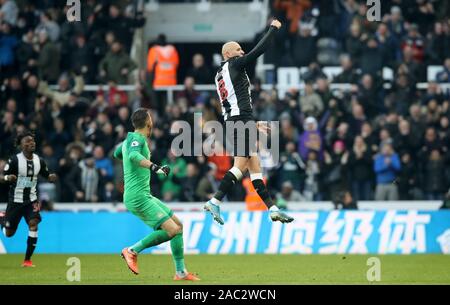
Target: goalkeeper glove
{"points": [[160, 169]]}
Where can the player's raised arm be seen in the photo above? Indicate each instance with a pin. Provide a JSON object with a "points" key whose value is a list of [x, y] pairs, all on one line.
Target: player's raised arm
{"points": [[260, 48]]}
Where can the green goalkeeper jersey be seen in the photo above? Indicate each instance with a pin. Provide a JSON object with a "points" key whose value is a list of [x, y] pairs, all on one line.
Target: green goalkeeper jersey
{"points": [[137, 179]]}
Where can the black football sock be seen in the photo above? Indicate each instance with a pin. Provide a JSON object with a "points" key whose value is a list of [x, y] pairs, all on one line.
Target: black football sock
{"points": [[31, 244], [261, 189], [227, 183]]}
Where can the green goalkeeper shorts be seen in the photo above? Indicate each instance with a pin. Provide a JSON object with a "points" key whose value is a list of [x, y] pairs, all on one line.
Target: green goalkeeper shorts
{"points": [[152, 211]]}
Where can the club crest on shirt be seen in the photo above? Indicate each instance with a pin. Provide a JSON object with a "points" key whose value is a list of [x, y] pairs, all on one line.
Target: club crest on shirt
{"points": [[134, 143]]}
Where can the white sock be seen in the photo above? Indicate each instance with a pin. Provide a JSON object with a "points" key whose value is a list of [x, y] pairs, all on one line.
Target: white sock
{"points": [[4, 231], [215, 201], [274, 208], [33, 234]]}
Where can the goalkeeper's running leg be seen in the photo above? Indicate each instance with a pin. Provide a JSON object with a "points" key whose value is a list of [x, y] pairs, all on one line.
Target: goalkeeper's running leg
{"points": [[177, 247], [168, 230]]}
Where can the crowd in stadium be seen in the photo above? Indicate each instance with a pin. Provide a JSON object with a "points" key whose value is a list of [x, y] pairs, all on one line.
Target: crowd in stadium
{"points": [[377, 143]]}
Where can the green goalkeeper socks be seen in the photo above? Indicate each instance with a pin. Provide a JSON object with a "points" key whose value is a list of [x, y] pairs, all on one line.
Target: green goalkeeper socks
{"points": [[176, 244], [153, 239], [158, 237]]}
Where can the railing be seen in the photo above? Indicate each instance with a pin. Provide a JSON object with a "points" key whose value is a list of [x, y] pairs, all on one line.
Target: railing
{"points": [[170, 90]]}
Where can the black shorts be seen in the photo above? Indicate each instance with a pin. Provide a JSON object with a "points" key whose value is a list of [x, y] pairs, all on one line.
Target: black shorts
{"points": [[241, 136], [15, 212]]}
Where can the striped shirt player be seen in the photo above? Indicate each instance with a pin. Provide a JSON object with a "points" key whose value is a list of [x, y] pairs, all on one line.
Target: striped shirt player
{"points": [[233, 84], [21, 172], [23, 190], [233, 88]]}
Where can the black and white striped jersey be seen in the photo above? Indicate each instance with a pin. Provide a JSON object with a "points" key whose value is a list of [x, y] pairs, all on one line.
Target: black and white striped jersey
{"points": [[26, 171], [233, 84]]}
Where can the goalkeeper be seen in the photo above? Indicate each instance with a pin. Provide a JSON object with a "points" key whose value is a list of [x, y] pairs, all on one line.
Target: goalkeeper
{"points": [[135, 154]]}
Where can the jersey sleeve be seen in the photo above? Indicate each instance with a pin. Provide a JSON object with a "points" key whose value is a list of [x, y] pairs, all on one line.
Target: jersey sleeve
{"points": [[118, 152], [258, 50], [134, 148], [44, 172]]}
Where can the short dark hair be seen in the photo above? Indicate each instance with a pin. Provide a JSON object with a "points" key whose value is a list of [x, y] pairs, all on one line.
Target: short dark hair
{"points": [[22, 135], [139, 118]]}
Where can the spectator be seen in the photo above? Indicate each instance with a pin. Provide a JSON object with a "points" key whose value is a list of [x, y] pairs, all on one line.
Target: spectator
{"points": [[415, 41], [311, 139], [358, 118], [49, 26], [110, 193], [59, 138], [444, 76], [360, 166], [199, 71], [8, 43], [189, 93], [311, 103], [405, 140], [435, 178], [387, 166], [291, 167], [368, 96], [439, 43], [288, 193], [312, 181], [7, 134], [122, 26], [62, 95], [348, 74], [431, 142], [371, 60], [90, 179], [417, 121], [207, 185], [9, 12], [48, 60], [345, 201], [190, 183], [69, 174], [116, 66], [49, 157], [408, 179], [335, 170], [387, 43], [162, 63], [103, 164], [171, 188], [354, 44], [395, 23], [221, 159], [81, 58], [304, 47]]}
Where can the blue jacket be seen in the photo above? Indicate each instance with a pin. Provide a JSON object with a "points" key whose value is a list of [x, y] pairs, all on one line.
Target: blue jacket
{"points": [[7, 45], [107, 165], [386, 173]]}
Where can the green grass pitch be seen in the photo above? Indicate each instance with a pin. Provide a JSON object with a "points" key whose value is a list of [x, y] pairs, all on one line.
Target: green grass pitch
{"points": [[231, 269]]}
